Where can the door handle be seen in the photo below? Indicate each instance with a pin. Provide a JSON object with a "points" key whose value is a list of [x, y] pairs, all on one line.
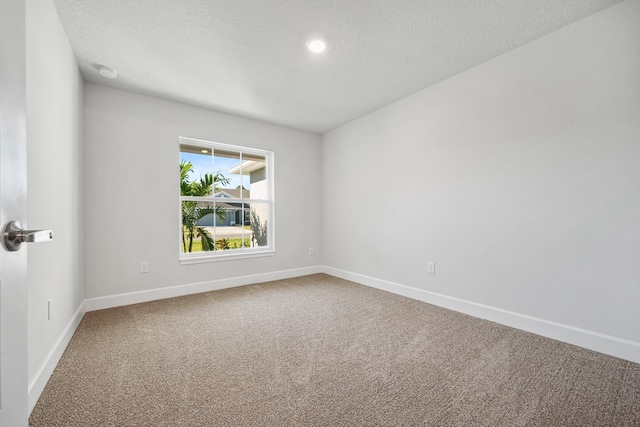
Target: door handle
{"points": [[14, 236]]}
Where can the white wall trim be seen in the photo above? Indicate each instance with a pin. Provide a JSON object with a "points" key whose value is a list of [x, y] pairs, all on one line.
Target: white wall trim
{"points": [[53, 357], [100, 303], [607, 344]]}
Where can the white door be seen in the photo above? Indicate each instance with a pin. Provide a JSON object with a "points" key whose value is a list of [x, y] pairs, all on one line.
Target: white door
{"points": [[13, 200]]}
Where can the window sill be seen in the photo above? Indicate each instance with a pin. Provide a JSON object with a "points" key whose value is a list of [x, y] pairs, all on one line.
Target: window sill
{"points": [[226, 257]]}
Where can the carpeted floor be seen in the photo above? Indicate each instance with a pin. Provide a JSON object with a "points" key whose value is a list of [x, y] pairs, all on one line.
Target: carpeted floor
{"points": [[321, 351]]}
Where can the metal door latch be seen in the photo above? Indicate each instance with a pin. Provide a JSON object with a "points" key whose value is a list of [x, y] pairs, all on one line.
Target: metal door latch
{"points": [[14, 236]]}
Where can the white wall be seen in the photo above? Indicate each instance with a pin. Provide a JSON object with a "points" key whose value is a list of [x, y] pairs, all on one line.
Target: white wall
{"points": [[519, 178], [131, 191], [54, 179]]}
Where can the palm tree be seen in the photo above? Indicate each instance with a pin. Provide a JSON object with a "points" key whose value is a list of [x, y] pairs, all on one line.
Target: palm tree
{"points": [[192, 212]]}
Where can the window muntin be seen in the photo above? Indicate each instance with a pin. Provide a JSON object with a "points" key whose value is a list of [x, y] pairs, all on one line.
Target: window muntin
{"points": [[226, 201]]}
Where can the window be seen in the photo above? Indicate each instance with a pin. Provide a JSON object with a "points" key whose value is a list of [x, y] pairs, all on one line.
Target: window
{"points": [[226, 201]]}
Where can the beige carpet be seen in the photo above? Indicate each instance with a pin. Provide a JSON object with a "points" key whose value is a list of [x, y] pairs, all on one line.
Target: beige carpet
{"points": [[320, 351]]}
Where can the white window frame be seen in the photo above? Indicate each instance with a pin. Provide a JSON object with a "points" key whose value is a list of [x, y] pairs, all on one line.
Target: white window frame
{"points": [[231, 254]]}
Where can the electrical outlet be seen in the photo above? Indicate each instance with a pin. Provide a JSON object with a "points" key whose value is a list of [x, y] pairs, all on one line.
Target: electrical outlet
{"points": [[310, 251], [144, 267], [431, 267], [49, 309]]}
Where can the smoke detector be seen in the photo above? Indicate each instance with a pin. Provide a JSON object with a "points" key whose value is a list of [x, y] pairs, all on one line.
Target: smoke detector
{"points": [[108, 72]]}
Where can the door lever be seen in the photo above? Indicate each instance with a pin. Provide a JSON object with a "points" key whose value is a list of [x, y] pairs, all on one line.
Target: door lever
{"points": [[14, 236]]}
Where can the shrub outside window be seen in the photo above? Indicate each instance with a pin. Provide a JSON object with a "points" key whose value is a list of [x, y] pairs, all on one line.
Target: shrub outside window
{"points": [[226, 201]]}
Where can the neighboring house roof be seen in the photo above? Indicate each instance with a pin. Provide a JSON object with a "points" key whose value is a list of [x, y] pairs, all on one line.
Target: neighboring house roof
{"points": [[248, 166], [233, 193], [227, 207]]}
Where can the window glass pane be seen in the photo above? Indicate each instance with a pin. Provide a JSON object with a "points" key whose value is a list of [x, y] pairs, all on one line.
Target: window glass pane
{"points": [[228, 182], [255, 170], [220, 226], [198, 232], [232, 234], [259, 223], [195, 170]]}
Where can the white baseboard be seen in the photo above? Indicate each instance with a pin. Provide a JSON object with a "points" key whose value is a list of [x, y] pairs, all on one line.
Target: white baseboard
{"points": [[607, 344], [119, 300], [53, 357], [618, 347]]}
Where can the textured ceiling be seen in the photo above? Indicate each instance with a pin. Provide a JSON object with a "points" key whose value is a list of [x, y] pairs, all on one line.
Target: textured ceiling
{"points": [[248, 57]]}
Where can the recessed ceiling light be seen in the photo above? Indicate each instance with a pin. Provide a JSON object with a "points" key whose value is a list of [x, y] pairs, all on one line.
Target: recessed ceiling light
{"points": [[316, 45], [108, 72], [204, 151]]}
